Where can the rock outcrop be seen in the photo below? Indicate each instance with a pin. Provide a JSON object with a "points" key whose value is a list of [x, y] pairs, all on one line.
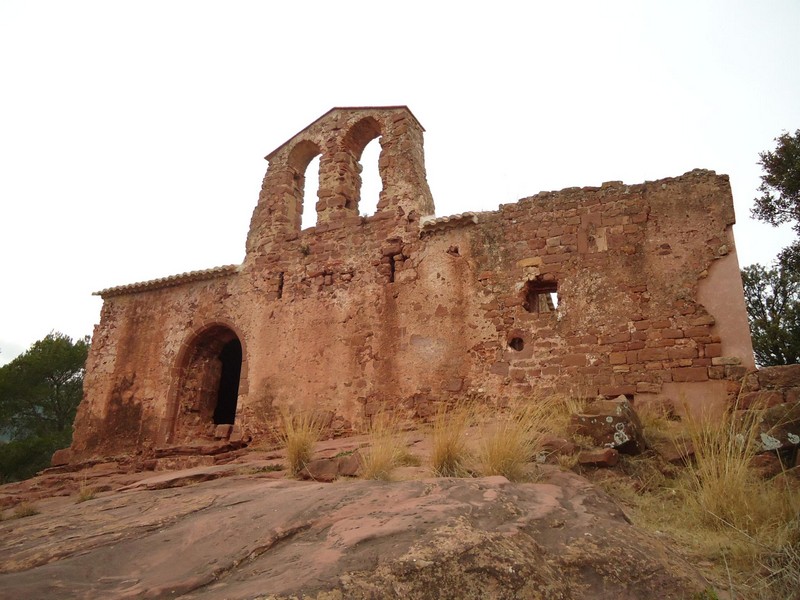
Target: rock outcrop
{"points": [[240, 535]]}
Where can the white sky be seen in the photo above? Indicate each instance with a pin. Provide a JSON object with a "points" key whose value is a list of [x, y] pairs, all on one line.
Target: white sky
{"points": [[132, 134]]}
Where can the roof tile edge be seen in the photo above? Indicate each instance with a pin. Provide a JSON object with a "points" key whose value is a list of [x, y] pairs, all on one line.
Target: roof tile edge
{"points": [[171, 280]]}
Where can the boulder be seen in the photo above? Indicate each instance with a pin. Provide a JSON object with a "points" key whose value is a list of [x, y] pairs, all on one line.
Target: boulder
{"points": [[611, 424], [558, 445], [61, 457], [779, 377], [321, 469], [350, 464], [767, 464], [599, 457], [779, 427], [675, 451]]}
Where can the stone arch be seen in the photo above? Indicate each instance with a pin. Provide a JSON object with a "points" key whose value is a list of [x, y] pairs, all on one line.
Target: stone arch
{"points": [[210, 374], [353, 144], [298, 160]]}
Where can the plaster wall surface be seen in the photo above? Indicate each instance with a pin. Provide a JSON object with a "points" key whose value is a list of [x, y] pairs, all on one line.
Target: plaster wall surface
{"points": [[617, 289]]}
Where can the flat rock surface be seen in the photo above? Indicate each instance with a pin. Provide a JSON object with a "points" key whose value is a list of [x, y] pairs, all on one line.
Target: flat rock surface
{"points": [[234, 535]]}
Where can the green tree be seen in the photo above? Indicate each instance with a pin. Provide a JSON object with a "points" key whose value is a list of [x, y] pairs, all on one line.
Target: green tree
{"points": [[39, 394], [772, 294], [780, 184], [773, 309]]}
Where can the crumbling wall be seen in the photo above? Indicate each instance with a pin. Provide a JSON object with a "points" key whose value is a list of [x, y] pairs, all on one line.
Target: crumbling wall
{"points": [[616, 288]]}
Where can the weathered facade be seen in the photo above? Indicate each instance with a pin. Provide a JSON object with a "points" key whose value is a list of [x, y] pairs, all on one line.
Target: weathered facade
{"points": [[623, 289]]}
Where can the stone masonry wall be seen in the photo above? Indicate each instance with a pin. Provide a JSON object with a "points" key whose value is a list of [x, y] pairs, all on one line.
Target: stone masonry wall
{"points": [[402, 310]]}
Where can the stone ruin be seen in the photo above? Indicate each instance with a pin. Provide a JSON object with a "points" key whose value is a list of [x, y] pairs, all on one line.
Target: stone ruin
{"points": [[619, 289]]}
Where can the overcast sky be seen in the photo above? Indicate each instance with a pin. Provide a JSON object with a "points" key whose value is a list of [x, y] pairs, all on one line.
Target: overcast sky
{"points": [[132, 134]]}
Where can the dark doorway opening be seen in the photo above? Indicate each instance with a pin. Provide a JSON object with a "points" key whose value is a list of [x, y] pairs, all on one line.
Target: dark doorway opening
{"points": [[231, 358]]}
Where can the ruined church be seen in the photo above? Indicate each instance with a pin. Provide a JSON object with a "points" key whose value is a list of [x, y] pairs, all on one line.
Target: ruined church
{"points": [[623, 289]]}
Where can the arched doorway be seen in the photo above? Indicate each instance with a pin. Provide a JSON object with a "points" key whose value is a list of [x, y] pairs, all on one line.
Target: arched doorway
{"points": [[209, 373]]}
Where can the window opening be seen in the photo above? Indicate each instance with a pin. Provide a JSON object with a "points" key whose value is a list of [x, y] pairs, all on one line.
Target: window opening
{"points": [[540, 296], [310, 190], [371, 184], [280, 285]]}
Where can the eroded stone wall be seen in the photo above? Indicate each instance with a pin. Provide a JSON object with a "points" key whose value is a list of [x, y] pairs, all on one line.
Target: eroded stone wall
{"points": [[618, 289]]}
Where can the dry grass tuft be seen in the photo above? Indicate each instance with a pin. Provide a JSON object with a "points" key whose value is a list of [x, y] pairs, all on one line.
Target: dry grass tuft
{"points": [[387, 448], [85, 493], [24, 509], [511, 445], [299, 433], [781, 567], [658, 422], [723, 488], [449, 454]]}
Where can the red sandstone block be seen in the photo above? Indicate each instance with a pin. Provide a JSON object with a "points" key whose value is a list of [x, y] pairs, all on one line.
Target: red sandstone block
{"points": [[616, 338], [617, 358], [645, 387], [762, 399], [726, 360], [454, 384], [713, 350], [588, 370], [518, 375], [555, 258], [701, 330], [653, 354], [703, 320], [617, 390], [671, 333], [574, 360], [663, 343], [682, 352], [599, 457], [577, 340], [702, 362], [642, 324], [690, 374]]}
